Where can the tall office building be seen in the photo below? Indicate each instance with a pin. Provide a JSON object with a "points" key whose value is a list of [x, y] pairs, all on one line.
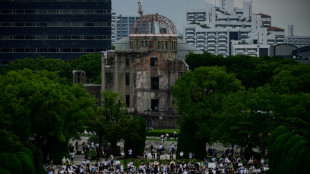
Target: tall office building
{"points": [[64, 29]]}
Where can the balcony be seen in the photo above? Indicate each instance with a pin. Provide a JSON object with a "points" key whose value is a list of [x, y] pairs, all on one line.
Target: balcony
{"points": [[190, 30], [190, 39], [201, 39], [190, 35], [239, 51], [211, 48], [200, 43], [252, 51], [222, 48], [211, 34], [211, 39], [222, 34], [211, 43], [222, 43], [190, 15], [223, 38]]}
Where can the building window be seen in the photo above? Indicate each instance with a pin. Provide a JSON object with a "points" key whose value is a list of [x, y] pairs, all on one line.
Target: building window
{"points": [[127, 62], [146, 44], [153, 61], [159, 45], [109, 79], [127, 100], [154, 104], [127, 79], [155, 83]]}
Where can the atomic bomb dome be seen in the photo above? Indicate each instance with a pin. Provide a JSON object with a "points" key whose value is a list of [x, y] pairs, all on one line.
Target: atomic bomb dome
{"points": [[154, 24]]}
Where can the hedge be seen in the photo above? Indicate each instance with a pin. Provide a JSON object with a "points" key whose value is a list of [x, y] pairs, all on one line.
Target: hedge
{"points": [[26, 163], [11, 163], [159, 132]]}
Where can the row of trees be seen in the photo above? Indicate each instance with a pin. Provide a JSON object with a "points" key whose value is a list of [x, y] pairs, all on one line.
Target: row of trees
{"points": [[40, 110], [90, 63], [219, 100]]}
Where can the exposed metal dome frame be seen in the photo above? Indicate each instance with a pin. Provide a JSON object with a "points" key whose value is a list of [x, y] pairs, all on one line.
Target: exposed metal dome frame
{"points": [[151, 23]]}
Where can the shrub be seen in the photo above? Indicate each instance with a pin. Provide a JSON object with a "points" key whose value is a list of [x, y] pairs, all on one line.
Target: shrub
{"points": [[92, 154], [26, 162], [27, 151], [11, 163]]}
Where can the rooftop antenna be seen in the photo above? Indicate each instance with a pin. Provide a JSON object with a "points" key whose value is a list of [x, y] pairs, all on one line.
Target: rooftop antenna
{"points": [[140, 11]]}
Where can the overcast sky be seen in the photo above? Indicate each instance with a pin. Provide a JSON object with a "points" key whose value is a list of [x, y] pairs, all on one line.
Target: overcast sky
{"points": [[283, 12]]}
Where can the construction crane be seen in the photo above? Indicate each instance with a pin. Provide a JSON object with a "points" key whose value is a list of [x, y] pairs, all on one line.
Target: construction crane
{"points": [[140, 11]]}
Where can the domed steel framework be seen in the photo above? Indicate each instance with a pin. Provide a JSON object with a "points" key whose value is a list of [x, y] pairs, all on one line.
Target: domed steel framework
{"points": [[153, 24]]}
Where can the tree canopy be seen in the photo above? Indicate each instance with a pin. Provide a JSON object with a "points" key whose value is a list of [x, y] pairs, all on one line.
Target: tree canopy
{"points": [[35, 105], [198, 96]]}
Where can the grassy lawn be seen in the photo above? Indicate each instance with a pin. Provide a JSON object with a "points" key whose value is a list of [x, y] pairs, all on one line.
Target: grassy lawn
{"points": [[156, 139], [159, 132]]}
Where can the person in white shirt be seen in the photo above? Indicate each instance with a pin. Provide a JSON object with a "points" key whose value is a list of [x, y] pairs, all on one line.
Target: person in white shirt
{"points": [[181, 154]]}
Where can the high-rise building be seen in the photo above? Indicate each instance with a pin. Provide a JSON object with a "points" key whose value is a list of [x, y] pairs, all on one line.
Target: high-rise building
{"points": [[64, 29], [121, 26], [290, 31]]}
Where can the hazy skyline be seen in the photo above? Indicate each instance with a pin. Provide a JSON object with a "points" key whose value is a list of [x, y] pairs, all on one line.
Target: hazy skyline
{"points": [[283, 12]]}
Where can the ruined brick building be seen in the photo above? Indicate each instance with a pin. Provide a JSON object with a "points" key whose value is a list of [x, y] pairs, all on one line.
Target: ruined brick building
{"points": [[145, 73]]}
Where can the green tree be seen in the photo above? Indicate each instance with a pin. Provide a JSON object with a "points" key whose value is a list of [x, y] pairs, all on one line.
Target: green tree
{"points": [[63, 69], [198, 96], [293, 79], [107, 121], [38, 106], [91, 64], [134, 135]]}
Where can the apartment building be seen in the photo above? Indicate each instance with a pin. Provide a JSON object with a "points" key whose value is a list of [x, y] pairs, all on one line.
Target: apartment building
{"points": [[215, 29]]}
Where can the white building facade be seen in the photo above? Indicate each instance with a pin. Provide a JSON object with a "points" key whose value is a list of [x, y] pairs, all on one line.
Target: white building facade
{"points": [[215, 29]]}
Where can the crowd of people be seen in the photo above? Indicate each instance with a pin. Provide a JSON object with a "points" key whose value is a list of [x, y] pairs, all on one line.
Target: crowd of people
{"points": [[158, 163], [214, 166]]}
